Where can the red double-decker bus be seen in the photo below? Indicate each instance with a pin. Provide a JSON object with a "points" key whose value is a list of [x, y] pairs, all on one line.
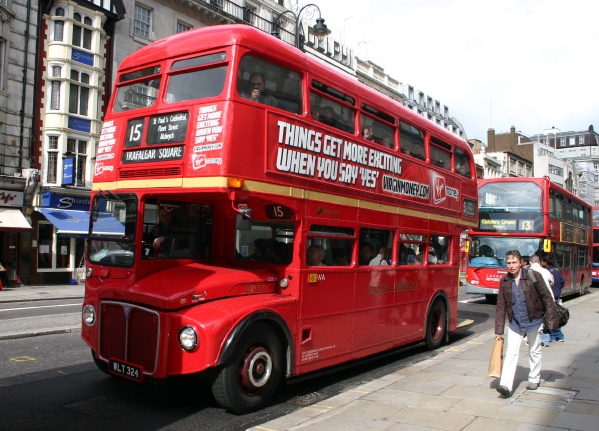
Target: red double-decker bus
{"points": [[242, 225], [534, 216]]}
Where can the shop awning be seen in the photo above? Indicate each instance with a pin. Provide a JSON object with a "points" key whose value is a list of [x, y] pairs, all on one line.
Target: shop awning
{"points": [[71, 222], [13, 219]]}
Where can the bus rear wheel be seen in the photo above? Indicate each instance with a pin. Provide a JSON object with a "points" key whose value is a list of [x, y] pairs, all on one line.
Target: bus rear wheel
{"points": [[436, 326], [253, 374]]}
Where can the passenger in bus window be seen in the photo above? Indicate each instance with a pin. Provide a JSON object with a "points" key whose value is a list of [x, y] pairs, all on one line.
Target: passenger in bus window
{"points": [[387, 142], [315, 255], [368, 133], [365, 255], [258, 91], [380, 259], [462, 167], [339, 257]]}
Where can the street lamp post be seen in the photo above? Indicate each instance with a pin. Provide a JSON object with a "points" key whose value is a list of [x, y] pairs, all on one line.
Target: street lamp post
{"points": [[319, 29]]}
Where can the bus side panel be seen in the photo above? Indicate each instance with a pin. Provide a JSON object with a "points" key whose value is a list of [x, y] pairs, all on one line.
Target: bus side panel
{"points": [[375, 309], [327, 316]]}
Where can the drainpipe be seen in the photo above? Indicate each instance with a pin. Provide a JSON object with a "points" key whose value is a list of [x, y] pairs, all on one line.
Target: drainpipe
{"points": [[23, 98]]}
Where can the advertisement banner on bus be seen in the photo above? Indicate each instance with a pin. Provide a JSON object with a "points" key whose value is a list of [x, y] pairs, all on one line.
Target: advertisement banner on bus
{"points": [[319, 155]]}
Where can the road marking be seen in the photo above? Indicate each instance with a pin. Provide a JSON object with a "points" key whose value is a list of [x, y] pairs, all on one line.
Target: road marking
{"points": [[40, 306], [22, 359]]}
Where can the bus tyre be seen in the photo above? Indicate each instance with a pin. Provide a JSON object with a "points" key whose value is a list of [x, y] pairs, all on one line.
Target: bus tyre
{"points": [[436, 326], [253, 374]]}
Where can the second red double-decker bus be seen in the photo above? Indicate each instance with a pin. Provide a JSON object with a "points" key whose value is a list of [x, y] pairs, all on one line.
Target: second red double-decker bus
{"points": [[257, 216], [534, 216]]}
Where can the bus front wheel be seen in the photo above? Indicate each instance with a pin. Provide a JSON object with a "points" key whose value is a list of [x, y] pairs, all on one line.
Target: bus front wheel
{"points": [[436, 326], [253, 374]]}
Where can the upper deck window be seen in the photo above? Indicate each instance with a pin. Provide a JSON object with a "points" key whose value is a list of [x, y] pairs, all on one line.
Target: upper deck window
{"points": [[462, 165], [264, 82], [411, 141], [440, 153], [377, 131], [140, 93], [197, 79]]}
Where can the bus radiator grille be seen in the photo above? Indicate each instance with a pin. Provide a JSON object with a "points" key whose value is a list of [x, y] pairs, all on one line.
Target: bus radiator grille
{"points": [[129, 333]]}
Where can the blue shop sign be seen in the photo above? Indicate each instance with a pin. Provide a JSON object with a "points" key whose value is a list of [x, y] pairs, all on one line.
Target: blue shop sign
{"points": [[82, 57], [68, 178], [80, 124], [56, 200]]}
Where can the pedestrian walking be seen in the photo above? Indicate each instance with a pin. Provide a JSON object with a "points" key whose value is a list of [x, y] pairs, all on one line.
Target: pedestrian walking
{"points": [[524, 302]]}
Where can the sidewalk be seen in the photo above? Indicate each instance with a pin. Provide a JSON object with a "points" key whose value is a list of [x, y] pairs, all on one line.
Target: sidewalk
{"points": [[453, 391], [30, 326]]}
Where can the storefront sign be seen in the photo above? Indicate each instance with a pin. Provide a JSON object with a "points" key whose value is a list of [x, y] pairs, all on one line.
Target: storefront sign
{"points": [[55, 200], [10, 198], [68, 177]]}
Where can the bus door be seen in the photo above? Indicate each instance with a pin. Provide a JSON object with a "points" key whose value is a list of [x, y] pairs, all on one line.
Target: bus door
{"points": [[327, 298]]}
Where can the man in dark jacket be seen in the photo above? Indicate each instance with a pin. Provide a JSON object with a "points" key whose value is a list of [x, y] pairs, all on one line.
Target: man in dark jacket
{"points": [[558, 285], [525, 303]]}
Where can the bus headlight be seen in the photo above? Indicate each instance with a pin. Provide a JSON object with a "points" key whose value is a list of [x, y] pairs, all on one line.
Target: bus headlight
{"points": [[474, 282], [89, 315], [188, 339]]}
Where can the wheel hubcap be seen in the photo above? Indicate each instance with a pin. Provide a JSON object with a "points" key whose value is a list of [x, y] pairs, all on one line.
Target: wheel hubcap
{"points": [[256, 368]]}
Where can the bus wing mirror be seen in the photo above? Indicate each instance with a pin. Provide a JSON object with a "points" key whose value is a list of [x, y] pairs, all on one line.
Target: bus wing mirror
{"points": [[244, 219], [95, 211]]}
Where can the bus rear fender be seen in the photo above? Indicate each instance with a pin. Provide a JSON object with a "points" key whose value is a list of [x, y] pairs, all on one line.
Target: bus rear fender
{"points": [[275, 321]]}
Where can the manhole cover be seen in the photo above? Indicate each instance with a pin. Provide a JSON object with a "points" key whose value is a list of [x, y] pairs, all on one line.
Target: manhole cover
{"points": [[545, 398]]}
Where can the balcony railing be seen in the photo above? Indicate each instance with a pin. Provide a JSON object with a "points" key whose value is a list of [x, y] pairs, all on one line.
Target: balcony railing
{"points": [[241, 14]]}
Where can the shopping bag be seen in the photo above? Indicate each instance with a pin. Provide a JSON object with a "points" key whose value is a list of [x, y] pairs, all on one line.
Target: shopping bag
{"points": [[496, 357]]}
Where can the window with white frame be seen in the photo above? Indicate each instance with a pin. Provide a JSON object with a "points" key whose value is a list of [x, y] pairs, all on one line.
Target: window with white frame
{"points": [[82, 36], [181, 27], [54, 82], [58, 25], [596, 166], [52, 163], [142, 23], [79, 93], [77, 148], [571, 141], [581, 140], [562, 142]]}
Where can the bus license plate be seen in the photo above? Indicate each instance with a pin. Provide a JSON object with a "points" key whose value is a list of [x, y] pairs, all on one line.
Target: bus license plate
{"points": [[125, 370]]}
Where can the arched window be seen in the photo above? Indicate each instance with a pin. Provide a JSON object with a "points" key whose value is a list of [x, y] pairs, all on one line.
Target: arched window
{"points": [[59, 25], [82, 36]]}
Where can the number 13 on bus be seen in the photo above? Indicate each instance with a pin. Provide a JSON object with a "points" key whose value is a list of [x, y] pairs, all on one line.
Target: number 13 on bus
{"points": [[534, 216], [257, 216]]}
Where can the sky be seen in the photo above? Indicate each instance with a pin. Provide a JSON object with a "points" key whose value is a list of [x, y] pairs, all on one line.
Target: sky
{"points": [[495, 64]]}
